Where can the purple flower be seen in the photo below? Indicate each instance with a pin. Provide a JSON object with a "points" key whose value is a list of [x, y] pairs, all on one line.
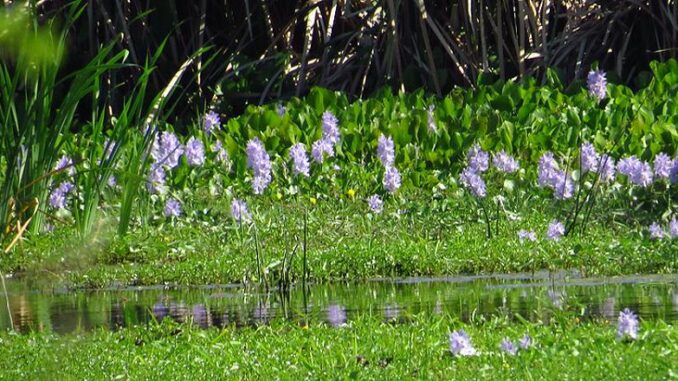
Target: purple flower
{"points": [[460, 344], [211, 120], [527, 235], [57, 198], [548, 170], [336, 315], [508, 347], [156, 180], [239, 211], [330, 127], [166, 150], [638, 172], [478, 160], [260, 162], [281, 109], [112, 181], [597, 84], [375, 203], [320, 148], [195, 152], [386, 151], [221, 153], [563, 186], [555, 231], [607, 170], [673, 227], [627, 324], [172, 208], [432, 128], [656, 231], [505, 162], [391, 179], [471, 180], [662, 166], [65, 162], [300, 159], [525, 342], [673, 175], [588, 158]]}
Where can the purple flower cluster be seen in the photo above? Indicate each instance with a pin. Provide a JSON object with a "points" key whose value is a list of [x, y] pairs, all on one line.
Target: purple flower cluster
{"points": [[597, 84], [507, 346], [505, 162], [57, 198], [637, 171], [220, 151], [555, 231], [172, 208], [472, 180], [166, 150], [375, 203], [627, 325], [673, 228], [525, 342], [300, 159], [527, 235], [65, 163], [386, 150], [259, 161], [321, 148], [608, 168], [460, 344], [156, 180], [432, 128], [280, 109], [663, 166], [656, 231], [391, 179], [239, 211], [325, 145], [478, 160], [336, 315], [588, 158], [212, 120], [195, 152], [550, 175]]}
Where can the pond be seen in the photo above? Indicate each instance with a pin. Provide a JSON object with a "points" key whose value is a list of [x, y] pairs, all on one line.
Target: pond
{"points": [[532, 296]]}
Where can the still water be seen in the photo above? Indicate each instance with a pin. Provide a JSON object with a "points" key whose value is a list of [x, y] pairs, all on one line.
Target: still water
{"points": [[532, 296]]}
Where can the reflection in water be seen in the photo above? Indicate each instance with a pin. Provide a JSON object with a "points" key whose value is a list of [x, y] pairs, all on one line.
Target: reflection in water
{"points": [[463, 298]]}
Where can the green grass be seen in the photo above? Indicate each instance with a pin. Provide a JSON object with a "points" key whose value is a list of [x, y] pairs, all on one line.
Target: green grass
{"points": [[565, 349], [418, 237]]}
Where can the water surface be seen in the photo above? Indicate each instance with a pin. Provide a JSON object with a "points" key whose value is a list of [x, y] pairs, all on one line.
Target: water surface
{"points": [[533, 297]]}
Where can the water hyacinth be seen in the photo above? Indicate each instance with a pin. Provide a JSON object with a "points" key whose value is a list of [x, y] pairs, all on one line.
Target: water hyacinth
{"points": [[321, 148], [375, 203], [330, 127], [608, 168], [460, 344], [211, 121], [280, 109], [172, 208], [221, 153], [656, 231], [472, 180], [195, 152], [527, 235], [386, 150], [662, 166], [673, 175], [673, 228], [588, 158], [525, 342], [239, 211], [505, 162], [65, 163], [391, 179], [563, 186], [57, 198], [638, 172], [547, 170], [300, 159], [432, 128], [167, 150], [627, 325], [156, 180], [597, 84], [112, 181], [555, 231], [507, 346], [478, 160], [260, 163]]}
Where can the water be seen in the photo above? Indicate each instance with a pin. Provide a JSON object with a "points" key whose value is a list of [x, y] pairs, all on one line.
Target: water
{"points": [[532, 297]]}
